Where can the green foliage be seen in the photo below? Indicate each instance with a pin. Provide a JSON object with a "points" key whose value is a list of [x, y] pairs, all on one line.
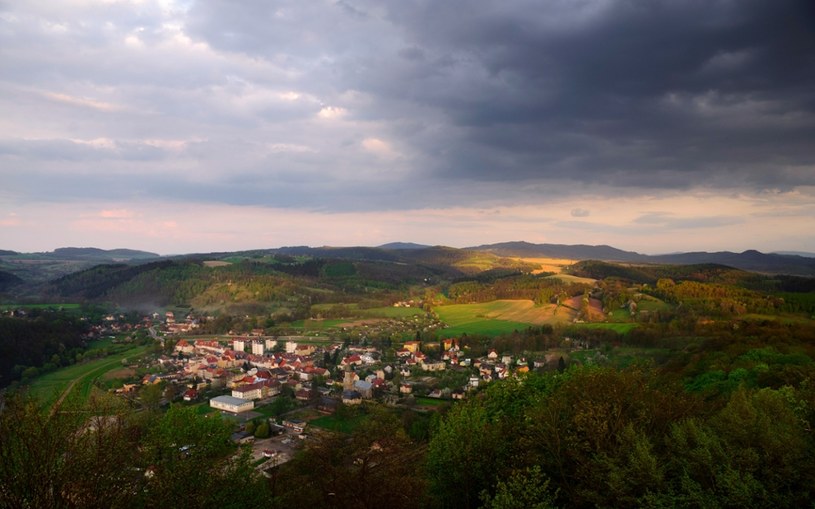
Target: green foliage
{"points": [[375, 466], [525, 489], [263, 430], [34, 340]]}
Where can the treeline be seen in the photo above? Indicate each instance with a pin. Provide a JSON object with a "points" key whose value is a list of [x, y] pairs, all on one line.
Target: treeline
{"points": [[542, 290], [631, 438], [107, 456], [587, 437], [716, 299], [42, 339]]}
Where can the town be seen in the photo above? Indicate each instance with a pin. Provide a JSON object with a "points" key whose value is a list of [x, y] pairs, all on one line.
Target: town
{"points": [[272, 387]]}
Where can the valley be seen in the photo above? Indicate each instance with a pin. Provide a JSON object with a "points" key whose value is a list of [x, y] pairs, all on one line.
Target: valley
{"points": [[315, 354]]}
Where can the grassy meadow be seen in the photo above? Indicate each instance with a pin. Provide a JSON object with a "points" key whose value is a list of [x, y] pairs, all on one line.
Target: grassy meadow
{"points": [[50, 386]]}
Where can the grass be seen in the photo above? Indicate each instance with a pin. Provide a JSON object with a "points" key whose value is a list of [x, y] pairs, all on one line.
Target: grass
{"points": [[498, 317], [64, 306], [355, 314], [311, 325], [204, 408], [339, 423], [421, 401], [569, 278], [620, 328], [48, 387], [390, 312], [483, 327], [648, 303]]}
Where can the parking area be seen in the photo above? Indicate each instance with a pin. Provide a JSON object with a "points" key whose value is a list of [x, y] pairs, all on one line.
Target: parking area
{"points": [[276, 450]]}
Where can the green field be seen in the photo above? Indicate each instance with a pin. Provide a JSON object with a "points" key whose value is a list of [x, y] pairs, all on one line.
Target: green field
{"points": [[317, 325], [50, 386], [472, 319], [431, 402], [62, 306], [354, 314], [620, 328], [648, 303], [475, 318], [354, 311], [341, 424], [390, 312]]}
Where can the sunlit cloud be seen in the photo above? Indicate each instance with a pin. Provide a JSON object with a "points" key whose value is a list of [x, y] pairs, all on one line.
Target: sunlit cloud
{"points": [[331, 112]]}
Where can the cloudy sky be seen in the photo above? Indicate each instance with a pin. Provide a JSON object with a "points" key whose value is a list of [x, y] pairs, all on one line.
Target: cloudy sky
{"points": [[179, 125]]}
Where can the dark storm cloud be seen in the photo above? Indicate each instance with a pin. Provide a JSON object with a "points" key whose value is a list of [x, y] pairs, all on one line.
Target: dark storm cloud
{"points": [[634, 93], [408, 104], [654, 94]]}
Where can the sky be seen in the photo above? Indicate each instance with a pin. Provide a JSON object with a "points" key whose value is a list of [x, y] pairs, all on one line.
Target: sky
{"points": [[178, 126]]}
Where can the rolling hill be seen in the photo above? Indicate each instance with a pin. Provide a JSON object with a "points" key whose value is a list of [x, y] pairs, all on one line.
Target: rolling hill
{"points": [[748, 260]]}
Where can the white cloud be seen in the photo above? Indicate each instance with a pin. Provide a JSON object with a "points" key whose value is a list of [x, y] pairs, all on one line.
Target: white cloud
{"points": [[332, 112]]}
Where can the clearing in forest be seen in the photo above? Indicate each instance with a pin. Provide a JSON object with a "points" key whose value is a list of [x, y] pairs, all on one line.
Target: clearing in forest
{"points": [[523, 312]]}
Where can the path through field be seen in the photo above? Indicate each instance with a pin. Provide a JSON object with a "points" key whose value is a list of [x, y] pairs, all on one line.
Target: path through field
{"points": [[52, 388]]}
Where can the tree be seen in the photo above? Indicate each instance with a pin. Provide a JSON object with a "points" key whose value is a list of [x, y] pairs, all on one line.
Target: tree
{"points": [[150, 396], [525, 489], [463, 456], [263, 430], [373, 467]]}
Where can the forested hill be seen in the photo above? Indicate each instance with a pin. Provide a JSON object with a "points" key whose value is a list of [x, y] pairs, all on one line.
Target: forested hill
{"points": [[8, 281], [92, 253], [748, 260], [35, 268]]}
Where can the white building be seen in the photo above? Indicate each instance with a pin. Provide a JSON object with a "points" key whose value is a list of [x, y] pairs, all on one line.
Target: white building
{"points": [[231, 404], [248, 392], [239, 345], [258, 348], [270, 344], [291, 346]]}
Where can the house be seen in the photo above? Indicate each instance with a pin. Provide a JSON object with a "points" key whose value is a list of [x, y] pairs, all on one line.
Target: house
{"points": [[231, 404], [366, 389], [305, 350], [433, 365], [327, 405], [412, 346], [304, 395], [190, 395], [450, 344], [242, 437], [435, 393], [296, 425], [351, 397], [352, 360], [272, 387], [252, 391], [184, 346]]}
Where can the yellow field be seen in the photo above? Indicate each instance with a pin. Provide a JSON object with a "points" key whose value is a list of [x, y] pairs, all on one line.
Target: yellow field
{"points": [[522, 311], [568, 278], [216, 263], [548, 264]]}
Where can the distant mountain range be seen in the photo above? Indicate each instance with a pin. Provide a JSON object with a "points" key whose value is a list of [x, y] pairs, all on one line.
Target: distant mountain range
{"points": [[69, 259], [92, 253], [748, 260]]}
